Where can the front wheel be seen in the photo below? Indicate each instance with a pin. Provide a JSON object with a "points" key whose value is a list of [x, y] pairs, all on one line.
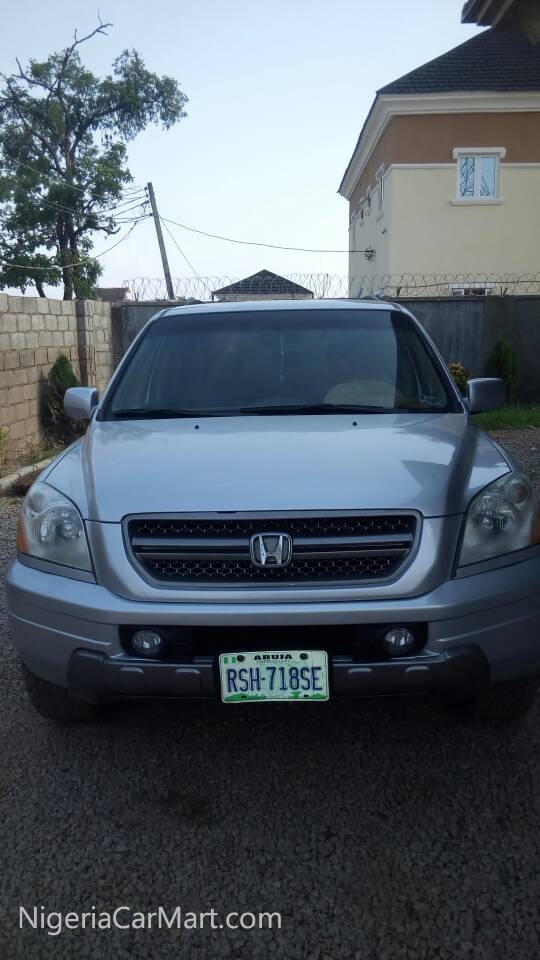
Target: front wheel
{"points": [[54, 702], [505, 701]]}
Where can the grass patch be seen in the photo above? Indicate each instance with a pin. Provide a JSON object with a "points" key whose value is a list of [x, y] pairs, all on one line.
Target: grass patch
{"points": [[509, 418], [35, 450], [17, 454]]}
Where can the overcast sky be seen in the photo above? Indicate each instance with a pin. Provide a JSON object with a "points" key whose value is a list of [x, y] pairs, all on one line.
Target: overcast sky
{"points": [[278, 91]]}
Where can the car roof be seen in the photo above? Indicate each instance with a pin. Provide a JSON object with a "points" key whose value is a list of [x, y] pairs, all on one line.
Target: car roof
{"points": [[241, 306]]}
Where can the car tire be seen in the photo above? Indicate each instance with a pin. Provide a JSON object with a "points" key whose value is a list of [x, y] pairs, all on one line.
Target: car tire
{"points": [[505, 701], [54, 703]]}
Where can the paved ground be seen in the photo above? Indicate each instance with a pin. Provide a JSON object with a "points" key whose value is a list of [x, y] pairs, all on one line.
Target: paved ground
{"points": [[387, 833]]}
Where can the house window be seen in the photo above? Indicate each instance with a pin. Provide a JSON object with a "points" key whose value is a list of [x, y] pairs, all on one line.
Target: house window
{"points": [[478, 173], [477, 176]]}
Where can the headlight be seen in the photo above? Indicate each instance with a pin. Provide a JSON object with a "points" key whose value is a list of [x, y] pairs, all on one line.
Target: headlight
{"points": [[51, 528], [502, 518]]}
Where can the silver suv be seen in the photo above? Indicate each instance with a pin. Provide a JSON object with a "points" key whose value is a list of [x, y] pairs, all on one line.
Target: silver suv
{"points": [[279, 501]]}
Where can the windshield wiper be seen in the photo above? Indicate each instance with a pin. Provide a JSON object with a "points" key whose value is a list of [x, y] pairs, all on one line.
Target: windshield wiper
{"points": [[312, 408], [155, 413], [264, 410], [164, 413]]}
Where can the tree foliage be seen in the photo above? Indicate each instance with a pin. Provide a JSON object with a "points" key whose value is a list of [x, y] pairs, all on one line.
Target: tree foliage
{"points": [[503, 362], [61, 377], [460, 375], [63, 172]]}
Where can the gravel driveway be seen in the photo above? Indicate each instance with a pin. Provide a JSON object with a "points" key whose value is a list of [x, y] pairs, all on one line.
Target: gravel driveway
{"points": [[383, 832]]}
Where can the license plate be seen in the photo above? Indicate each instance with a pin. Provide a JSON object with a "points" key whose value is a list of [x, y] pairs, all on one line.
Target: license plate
{"points": [[274, 675]]}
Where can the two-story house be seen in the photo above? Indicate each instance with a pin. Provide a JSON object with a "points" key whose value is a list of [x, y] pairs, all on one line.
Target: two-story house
{"points": [[445, 176]]}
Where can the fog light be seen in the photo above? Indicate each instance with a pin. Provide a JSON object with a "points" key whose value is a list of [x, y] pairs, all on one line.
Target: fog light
{"points": [[149, 643], [398, 640]]}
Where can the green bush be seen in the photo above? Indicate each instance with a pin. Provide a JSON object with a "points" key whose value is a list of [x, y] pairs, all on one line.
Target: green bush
{"points": [[61, 376], [4, 443], [460, 375], [503, 363]]}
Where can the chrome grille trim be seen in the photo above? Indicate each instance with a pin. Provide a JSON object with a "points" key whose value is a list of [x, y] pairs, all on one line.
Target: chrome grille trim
{"points": [[329, 547]]}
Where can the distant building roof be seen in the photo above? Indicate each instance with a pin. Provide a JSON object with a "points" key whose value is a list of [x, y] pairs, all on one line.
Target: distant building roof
{"points": [[495, 60], [263, 283]]}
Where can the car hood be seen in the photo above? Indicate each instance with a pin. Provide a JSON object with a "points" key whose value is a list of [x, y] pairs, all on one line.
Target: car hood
{"points": [[433, 463]]}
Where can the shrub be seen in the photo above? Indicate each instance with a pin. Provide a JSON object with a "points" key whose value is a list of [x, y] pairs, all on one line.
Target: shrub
{"points": [[4, 442], [460, 375], [61, 377], [503, 363]]}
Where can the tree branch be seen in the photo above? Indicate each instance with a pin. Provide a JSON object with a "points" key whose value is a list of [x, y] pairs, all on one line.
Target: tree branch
{"points": [[39, 136], [31, 81], [101, 28]]}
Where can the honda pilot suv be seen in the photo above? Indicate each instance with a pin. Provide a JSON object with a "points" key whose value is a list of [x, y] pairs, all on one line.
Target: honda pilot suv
{"points": [[279, 501]]}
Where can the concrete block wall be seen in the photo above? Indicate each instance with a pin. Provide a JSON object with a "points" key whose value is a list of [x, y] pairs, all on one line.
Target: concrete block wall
{"points": [[33, 332], [128, 319], [94, 331], [466, 329]]}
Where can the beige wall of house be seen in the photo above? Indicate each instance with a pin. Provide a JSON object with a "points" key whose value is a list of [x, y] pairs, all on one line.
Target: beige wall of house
{"points": [[431, 234], [410, 143], [423, 231], [372, 231], [431, 138]]}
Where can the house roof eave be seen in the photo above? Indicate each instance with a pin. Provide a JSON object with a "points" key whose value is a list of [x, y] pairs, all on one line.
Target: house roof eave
{"points": [[387, 106], [485, 13]]}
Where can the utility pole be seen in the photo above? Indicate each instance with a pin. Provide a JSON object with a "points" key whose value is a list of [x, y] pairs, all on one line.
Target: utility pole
{"points": [[161, 242]]}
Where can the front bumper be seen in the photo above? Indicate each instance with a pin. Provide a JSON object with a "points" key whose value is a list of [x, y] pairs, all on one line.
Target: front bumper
{"points": [[479, 629], [94, 678]]}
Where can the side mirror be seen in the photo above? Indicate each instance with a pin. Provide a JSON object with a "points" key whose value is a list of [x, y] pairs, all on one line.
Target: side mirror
{"points": [[486, 393], [79, 402]]}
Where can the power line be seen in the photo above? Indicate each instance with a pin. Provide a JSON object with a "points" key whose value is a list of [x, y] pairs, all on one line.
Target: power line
{"points": [[143, 216], [73, 186], [79, 263], [183, 226], [99, 215], [179, 248], [258, 243], [118, 212], [190, 265], [122, 206]]}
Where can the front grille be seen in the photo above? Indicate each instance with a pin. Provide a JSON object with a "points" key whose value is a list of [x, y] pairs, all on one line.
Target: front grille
{"points": [[216, 549]]}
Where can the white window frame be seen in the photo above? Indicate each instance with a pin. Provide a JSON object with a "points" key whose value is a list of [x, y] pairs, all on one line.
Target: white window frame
{"points": [[367, 203], [361, 212], [357, 219], [379, 176], [477, 153]]}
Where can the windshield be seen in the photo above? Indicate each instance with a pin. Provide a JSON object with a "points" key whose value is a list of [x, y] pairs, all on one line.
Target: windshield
{"points": [[281, 361]]}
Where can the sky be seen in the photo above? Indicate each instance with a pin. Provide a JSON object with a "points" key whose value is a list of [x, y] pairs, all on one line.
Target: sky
{"points": [[278, 91]]}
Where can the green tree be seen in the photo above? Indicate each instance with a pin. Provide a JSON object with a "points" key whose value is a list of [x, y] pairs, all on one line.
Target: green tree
{"points": [[63, 172], [503, 362], [61, 377]]}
